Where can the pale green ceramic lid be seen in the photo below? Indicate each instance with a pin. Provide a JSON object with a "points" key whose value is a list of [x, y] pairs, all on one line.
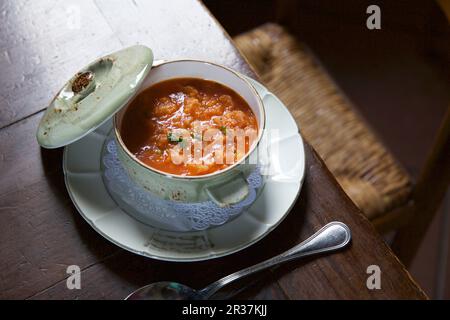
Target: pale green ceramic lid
{"points": [[93, 96]]}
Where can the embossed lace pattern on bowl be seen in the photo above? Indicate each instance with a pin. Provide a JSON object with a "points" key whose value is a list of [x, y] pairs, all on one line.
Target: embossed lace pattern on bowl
{"points": [[168, 214]]}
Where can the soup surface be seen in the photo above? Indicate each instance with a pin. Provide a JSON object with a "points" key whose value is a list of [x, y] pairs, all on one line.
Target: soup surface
{"points": [[189, 127]]}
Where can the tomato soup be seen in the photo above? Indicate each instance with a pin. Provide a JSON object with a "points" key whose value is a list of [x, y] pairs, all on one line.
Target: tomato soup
{"points": [[189, 127]]}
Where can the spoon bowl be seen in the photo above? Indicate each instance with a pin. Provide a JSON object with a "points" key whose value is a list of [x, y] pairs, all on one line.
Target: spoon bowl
{"points": [[165, 291]]}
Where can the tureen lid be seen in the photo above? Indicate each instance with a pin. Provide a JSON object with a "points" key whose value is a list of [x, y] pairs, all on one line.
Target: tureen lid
{"points": [[93, 96]]}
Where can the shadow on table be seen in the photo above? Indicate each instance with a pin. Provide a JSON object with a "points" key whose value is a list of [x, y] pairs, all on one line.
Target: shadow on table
{"points": [[52, 164]]}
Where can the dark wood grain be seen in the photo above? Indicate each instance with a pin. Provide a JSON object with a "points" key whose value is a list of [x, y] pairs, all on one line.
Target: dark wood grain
{"points": [[41, 232], [41, 47]]}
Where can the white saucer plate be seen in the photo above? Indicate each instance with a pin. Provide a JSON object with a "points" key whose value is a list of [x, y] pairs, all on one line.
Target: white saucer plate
{"points": [[85, 185]]}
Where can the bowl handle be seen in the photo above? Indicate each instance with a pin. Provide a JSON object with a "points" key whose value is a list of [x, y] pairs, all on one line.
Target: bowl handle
{"points": [[229, 192]]}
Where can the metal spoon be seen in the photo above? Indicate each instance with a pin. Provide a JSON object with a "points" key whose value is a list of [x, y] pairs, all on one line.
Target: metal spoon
{"points": [[332, 237]]}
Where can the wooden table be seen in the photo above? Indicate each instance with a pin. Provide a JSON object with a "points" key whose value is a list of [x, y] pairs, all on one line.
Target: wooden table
{"points": [[42, 44]]}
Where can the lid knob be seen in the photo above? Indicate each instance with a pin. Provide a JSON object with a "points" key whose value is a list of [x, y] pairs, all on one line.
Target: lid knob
{"points": [[83, 82]]}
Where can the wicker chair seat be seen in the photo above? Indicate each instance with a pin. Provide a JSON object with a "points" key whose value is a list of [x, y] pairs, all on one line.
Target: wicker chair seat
{"points": [[365, 169]]}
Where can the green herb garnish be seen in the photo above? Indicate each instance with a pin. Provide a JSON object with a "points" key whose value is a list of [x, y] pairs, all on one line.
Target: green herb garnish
{"points": [[174, 138], [224, 130]]}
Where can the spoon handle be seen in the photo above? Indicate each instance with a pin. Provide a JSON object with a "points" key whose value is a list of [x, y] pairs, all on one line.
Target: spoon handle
{"points": [[331, 237]]}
